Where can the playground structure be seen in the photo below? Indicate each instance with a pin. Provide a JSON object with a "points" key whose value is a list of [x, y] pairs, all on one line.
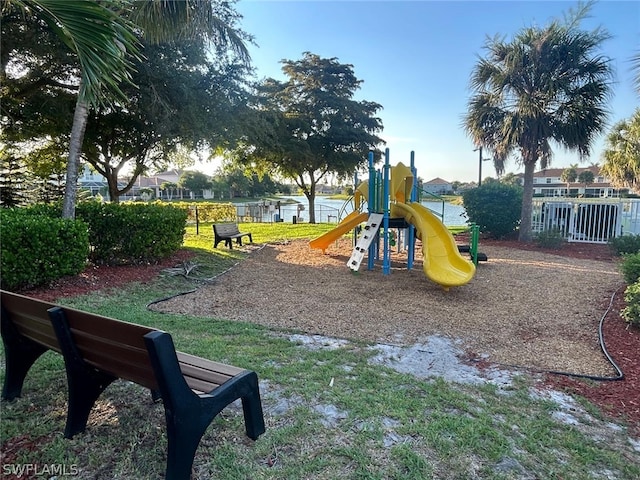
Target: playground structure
{"points": [[392, 202]]}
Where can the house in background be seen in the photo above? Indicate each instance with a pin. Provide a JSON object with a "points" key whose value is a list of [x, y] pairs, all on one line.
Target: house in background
{"points": [[548, 183], [89, 179], [437, 186], [97, 184], [154, 182]]}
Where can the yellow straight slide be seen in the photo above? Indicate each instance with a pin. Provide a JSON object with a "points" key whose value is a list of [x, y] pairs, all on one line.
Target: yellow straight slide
{"points": [[443, 263], [350, 222]]}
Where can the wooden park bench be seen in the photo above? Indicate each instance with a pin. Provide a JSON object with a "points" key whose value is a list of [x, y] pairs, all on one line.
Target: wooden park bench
{"points": [[98, 350], [228, 232]]}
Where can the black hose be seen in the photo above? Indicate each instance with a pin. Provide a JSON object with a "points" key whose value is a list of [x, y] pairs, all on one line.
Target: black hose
{"points": [[620, 374]]}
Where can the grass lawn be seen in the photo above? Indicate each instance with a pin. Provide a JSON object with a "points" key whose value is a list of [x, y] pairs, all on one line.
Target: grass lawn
{"points": [[330, 412]]}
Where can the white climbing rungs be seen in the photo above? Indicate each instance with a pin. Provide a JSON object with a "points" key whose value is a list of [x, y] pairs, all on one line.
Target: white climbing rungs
{"points": [[368, 234]]}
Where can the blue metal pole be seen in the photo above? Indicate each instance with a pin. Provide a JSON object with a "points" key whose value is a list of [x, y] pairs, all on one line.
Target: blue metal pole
{"points": [[411, 241], [372, 207], [386, 262], [372, 184]]}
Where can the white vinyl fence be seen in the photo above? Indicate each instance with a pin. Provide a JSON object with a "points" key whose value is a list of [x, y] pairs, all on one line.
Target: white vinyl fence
{"points": [[587, 220]]}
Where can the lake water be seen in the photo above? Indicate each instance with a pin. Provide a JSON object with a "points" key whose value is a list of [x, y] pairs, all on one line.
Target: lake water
{"points": [[330, 210]]}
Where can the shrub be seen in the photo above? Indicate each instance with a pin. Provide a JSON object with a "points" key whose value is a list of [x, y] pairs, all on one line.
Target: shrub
{"points": [[494, 207], [132, 233], [631, 268], [35, 249], [631, 313], [551, 238], [625, 244]]}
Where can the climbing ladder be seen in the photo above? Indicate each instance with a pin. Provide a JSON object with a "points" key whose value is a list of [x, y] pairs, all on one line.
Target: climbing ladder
{"points": [[368, 234]]}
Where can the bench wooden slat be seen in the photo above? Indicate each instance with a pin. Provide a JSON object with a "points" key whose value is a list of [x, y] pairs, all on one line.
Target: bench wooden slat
{"points": [[188, 359], [106, 327], [31, 319], [213, 378], [39, 331], [199, 386], [122, 361]]}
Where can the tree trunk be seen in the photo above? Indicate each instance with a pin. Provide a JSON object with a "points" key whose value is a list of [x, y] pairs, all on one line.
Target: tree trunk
{"points": [[311, 197], [73, 163], [527, 203], [112, 181]]}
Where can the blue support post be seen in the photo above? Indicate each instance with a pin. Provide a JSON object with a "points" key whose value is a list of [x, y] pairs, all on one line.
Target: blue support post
{"points": [[371, 205], [411, 231], [355, 186], [372, 185], [386, 262]]}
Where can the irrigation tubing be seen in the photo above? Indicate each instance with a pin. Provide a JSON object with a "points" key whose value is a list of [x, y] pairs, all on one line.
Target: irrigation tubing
{"points": [[619, 375], [210, 279]]}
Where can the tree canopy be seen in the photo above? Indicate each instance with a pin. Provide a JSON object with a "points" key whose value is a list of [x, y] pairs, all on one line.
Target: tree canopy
{"points": [[546, 86], [312, 124], [586, 177], [182, 101], [176, 95], [622, 153]]}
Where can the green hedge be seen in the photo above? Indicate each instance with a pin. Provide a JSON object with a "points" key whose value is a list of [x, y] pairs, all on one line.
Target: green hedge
{"points": [[625, 244], [132, 233], [631, 313], [494, 207], [631, 268], [631, 272], [36, 249]]}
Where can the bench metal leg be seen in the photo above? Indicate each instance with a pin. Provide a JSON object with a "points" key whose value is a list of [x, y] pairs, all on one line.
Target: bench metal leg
{"points": [[20, 354], [184, 432], [85, 383], [188, 415], [252, 408]]}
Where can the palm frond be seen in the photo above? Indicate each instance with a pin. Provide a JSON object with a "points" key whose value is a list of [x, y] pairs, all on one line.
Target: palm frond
{"points": [[211, 20], [102, 39]]}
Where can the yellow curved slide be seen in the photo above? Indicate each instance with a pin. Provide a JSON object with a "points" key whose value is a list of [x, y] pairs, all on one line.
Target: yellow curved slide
{"points": [[350, 222], [443, 263]]}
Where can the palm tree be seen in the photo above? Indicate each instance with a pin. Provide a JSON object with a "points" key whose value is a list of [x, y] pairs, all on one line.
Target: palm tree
{"points": [[546, 85], [569, 175], [104, 42], [622, 153], [635, 66], [102, 36]]}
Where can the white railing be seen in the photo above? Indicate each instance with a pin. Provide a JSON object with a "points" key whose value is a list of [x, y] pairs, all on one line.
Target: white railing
{"points": [[588, 220]]}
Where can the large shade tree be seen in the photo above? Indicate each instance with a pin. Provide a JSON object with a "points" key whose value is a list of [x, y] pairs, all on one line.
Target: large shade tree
{"points": [[622, 153], [316, 127], [102, 35], [102, 44], [183, 102], [548, 85]]}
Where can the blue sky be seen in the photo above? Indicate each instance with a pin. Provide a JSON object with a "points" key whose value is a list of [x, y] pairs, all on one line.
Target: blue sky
{"points": [[415, 58]]}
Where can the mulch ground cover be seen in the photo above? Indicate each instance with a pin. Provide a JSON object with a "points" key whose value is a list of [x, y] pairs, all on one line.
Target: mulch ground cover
{"points": [[619, 398]]}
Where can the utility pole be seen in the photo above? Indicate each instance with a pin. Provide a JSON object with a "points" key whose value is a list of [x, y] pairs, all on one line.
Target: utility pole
{"points": [[480, 160]]}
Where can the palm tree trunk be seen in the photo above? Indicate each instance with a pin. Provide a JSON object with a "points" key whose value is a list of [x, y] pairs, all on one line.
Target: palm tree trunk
{"points": [[73, 163], [527, 203]]}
